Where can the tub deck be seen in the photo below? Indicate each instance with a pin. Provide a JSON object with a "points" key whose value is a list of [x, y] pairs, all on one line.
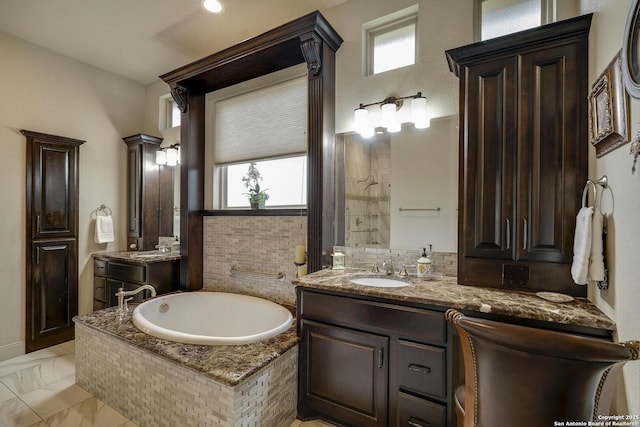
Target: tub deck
{"points": [[226, 364]]}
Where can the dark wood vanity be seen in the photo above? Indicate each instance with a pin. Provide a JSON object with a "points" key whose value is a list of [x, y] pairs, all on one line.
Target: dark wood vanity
{"points": [[369, 362], [128, 270], [373, 356]]}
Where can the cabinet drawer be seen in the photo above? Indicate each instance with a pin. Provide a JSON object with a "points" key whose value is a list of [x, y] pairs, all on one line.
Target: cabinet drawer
{"points": [[99, 267], [421, 368], [99, 289], [128, 272], [405, 322], [416, 412]]}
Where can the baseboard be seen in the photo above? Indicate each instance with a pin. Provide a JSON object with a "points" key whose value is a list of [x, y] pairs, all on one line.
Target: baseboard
{"points": [[9, 351]]}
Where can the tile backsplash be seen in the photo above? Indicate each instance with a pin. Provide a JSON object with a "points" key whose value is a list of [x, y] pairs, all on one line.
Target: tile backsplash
{"points": [[442, 262], [257, 248]]}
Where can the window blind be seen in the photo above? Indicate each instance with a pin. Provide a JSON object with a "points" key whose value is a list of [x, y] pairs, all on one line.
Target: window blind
{"points": [[264, 123]]}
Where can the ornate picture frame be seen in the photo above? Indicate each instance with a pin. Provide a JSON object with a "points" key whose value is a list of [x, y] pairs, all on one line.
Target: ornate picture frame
{"points": [[608, 110]]}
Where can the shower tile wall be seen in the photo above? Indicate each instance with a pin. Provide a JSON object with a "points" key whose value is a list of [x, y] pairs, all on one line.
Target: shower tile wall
{"points": [[367, 190], [252, 244]]}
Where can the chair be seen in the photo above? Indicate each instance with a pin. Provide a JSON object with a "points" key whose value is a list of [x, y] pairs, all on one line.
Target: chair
{"points": [[517, 375]]}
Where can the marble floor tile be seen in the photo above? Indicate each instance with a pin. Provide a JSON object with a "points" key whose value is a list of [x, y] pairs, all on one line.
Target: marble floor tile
{"points": [[38, 373], [13, 411], [89, 413], [37, 357], [55, 397]]}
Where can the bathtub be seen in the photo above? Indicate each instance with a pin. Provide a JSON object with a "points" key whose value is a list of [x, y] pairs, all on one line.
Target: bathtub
{"points": [[211, 318]]}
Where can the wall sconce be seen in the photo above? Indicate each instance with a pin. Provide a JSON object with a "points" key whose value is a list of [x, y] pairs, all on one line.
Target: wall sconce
{"points": [[389, 115], [169, 156]]}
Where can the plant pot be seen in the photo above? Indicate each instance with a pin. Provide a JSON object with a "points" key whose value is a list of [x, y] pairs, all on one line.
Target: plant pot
{"points": [[255, 205]]}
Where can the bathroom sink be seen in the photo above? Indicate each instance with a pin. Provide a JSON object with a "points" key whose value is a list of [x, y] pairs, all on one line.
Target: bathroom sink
{"points": [[380, 282], [155, 254]]}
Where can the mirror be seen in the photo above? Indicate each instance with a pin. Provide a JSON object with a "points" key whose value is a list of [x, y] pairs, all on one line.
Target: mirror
{"points": [[400, 189], [169, 209]]}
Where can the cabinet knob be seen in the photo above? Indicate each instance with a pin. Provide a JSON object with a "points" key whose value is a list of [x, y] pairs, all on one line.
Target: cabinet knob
{"points": [[133, 246]]}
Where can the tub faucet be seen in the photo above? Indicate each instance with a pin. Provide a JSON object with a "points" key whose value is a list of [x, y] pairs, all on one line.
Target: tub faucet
{"points": [[122, 303]]}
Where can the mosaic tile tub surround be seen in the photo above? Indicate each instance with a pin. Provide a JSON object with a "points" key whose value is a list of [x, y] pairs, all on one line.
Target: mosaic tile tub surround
{"points": [[256, 244], [155, 382]]}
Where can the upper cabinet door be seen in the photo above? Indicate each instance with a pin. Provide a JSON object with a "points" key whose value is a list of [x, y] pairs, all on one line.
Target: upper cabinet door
{"points": [[54, 201], [550, 172], [488, 159]]}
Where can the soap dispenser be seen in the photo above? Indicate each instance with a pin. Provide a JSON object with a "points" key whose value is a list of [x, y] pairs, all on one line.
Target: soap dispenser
{"points": [[424, 264]]}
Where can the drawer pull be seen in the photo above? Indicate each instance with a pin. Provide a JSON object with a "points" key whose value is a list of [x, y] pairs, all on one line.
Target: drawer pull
{"points": [[380, 357], [417, 422], [419, 368]]}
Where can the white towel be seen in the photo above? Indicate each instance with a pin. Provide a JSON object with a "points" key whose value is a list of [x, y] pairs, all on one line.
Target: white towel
{"points": [[104, 229], [582, 246], [596, 264]]}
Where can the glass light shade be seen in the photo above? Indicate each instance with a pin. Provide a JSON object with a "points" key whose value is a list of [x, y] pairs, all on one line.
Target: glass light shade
{"points": [[213, 6], [419, 113], [367, 132], [172, 156], [389, 115], [361, 119], [161, 157]]}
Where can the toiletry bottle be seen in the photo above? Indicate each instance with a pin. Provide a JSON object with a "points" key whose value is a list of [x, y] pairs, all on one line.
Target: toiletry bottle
{"points": [[424, 264]]}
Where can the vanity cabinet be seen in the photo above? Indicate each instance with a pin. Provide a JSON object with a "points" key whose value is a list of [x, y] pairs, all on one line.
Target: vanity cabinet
{"points": [[149, 193], [109, 275], [523, 155], [374, 363]]}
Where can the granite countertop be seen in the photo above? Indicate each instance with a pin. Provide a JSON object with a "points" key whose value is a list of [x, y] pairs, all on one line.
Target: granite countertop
{"points": [[139, 257], [223, 363], [447, 293]]}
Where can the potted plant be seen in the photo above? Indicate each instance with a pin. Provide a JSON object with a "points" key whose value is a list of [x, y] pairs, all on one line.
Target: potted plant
{"points": [[257, 196]]}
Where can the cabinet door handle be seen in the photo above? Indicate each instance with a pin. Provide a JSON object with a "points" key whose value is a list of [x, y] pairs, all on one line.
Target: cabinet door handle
{"points": [[508, 233], [417, 422], [525, 235], [37, 223], [380, 357], [37, 256], [419, 368]]}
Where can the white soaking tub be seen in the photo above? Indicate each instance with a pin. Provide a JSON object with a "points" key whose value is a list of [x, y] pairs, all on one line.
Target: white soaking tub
{"points": [[211, 318]]}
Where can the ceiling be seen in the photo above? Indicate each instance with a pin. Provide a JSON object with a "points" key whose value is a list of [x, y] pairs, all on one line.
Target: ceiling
{"points": [[142, 39]]}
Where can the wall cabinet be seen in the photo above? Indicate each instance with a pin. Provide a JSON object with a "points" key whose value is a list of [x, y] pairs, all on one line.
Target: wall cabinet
{"points": [[374, 363], [523, 156], [109, 275], [149, 193], [52, 233]]}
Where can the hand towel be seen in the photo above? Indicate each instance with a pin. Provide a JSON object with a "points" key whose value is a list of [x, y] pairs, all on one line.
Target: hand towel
{"points": [[104, 229], [596, 264], [582, 246]]}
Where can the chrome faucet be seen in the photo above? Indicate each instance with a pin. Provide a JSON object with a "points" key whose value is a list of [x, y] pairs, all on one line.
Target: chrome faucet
{"points": [[123, 309], [387, 266]]}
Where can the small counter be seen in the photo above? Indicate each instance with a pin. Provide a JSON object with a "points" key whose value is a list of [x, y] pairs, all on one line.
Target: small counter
{"points": [[142, 257], [447, 293]]}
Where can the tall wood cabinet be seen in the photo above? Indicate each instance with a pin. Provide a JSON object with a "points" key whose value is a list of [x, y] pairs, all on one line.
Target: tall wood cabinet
{"points": [[52, 239], [523, 156], [149, 193]]}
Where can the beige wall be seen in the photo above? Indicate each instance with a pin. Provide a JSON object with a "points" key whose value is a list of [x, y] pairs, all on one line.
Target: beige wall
{"points": [[50, 93], [621, 302]]}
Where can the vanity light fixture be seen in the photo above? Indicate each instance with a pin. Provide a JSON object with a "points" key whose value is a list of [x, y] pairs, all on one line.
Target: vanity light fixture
{"points": [[213, 6], [389, 115], [169, 156]]}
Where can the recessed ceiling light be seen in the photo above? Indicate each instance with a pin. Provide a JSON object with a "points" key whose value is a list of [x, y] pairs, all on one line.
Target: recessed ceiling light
{"points": [[213, 6]]}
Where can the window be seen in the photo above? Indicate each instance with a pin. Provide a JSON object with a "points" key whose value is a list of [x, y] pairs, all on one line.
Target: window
{"points": [[391, 41], [170, 115], [284, 180], [501, 17]]}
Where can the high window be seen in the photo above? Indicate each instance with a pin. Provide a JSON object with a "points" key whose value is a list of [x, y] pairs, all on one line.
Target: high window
{"points": [[390, 42], [500, 17]]}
